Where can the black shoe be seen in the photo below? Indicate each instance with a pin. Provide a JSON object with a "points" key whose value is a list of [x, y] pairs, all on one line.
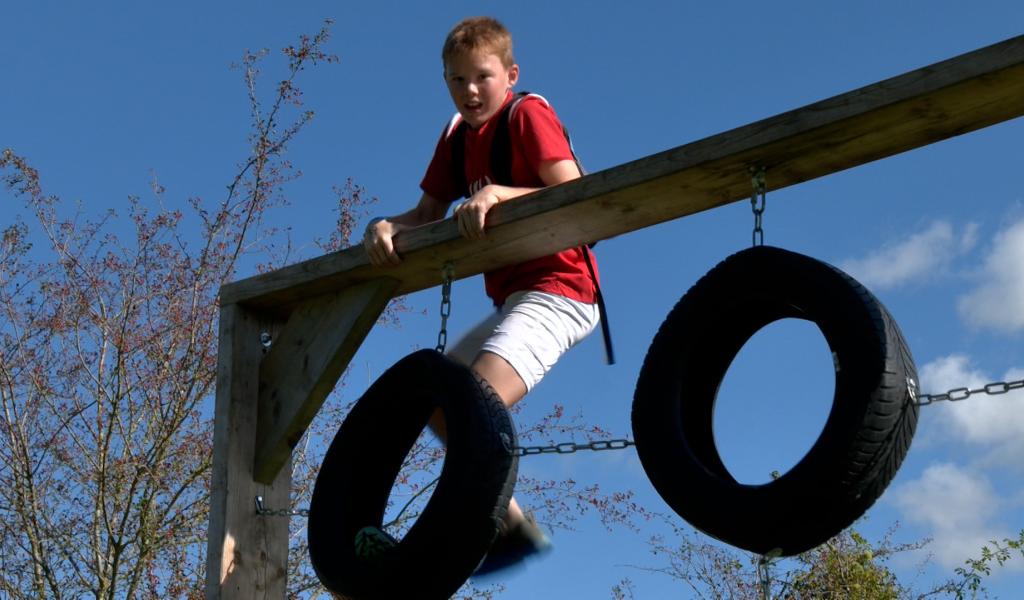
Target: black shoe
{"points": [[372, 542], [513, 547]]}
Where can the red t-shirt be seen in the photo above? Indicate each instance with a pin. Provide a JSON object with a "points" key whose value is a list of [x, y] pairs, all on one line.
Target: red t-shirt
{"points": [[536, 135]]}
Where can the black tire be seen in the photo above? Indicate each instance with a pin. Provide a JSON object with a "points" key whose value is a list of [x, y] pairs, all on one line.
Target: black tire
{"points": [[460, 521], [864, 440]]}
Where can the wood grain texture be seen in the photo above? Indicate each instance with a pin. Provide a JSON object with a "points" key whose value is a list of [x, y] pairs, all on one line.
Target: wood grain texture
{"points": [[247, 554], [304, 364], [918, 108]]}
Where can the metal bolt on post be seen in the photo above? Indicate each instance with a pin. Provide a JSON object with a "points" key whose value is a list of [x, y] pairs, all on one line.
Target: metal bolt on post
{"points": [[278, 512]]}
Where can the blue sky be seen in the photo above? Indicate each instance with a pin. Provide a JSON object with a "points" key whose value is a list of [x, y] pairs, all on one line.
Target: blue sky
{"points": [[102, 96]]}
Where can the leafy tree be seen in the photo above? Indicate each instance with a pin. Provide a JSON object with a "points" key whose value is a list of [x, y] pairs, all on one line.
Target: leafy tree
{"points": [[847, 567]]}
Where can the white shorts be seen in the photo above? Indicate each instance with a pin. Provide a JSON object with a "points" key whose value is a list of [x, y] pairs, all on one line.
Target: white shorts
{"points": [[531, 332]]}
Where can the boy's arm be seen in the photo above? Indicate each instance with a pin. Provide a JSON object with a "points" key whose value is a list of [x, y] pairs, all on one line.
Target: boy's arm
{"points": [[378, 237], [472, 214]]}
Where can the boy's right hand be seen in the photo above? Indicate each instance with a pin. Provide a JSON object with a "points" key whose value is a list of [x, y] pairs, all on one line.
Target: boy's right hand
{"points": [[378, 240]]}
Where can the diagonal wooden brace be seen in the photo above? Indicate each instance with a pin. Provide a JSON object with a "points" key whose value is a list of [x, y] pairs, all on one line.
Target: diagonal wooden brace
{"points": [[304, 364]]}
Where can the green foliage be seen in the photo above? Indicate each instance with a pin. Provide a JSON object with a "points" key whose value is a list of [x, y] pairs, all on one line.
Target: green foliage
{"points": [[977, 569], [847, 566]]}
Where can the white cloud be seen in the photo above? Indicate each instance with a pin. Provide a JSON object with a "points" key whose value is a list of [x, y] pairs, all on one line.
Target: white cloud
{"points": [[918, 256], [959, 506], [956, 507], [998, 301], [993, 423]]}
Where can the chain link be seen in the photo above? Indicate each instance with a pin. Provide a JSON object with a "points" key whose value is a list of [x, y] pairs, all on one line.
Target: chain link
{"points": [[759, 184], [279, 512], [571, 447], [963, 393], [447, 274]]}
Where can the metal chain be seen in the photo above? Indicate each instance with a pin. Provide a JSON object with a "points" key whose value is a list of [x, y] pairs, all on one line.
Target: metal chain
{"points": [[447, 274], [759, 184], [563, 448], [279, 512], [571, 447], [962, 393], [954, 395], [764, 576]]}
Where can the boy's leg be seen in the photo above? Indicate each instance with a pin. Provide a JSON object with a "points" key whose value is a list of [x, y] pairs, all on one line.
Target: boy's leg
{"points": [[514, 350], [465, 351], [536, 330], [509, 386], [505, 380], [502, 376]]}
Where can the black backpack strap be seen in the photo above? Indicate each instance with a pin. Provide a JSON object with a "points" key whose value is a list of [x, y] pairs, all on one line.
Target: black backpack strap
{"points": [[501, 148], [501, 159], [501, 145], [606, 331], [456, 134], [501, 171]]}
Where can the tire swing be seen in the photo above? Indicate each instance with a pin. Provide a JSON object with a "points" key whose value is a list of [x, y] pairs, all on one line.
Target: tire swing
{"points": [[460, 521], [862, 444]]}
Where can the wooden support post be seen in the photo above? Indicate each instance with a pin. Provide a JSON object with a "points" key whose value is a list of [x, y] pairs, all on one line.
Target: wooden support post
{"points": [[305, 362], [247, 554]]}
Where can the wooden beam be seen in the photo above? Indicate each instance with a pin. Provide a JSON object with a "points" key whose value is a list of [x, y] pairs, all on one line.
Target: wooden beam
{"points": [[304, 364], [247, 554], [918, 108]]}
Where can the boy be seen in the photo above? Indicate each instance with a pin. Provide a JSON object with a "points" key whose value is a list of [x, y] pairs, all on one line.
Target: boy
{"points": [[545, 305]]}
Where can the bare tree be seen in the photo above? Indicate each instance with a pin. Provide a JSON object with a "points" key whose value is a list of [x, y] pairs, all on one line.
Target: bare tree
{"points": [[107, 361], [108, 364]]}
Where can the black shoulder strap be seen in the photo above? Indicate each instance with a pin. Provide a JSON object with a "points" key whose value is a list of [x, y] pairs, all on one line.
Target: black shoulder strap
{"points": [[501, 149], [501, 171], [501, 146], [457, 144], [606, 329]]}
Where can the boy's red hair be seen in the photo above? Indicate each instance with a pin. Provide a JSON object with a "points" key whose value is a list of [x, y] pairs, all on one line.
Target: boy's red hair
{"points": [[479, 33]]}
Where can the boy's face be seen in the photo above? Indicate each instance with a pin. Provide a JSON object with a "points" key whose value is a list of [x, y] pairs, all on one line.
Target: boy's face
{"points": [[478, 83]]}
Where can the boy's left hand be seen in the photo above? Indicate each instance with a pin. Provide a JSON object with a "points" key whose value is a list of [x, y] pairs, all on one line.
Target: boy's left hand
{"points": [[471, 215]]}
